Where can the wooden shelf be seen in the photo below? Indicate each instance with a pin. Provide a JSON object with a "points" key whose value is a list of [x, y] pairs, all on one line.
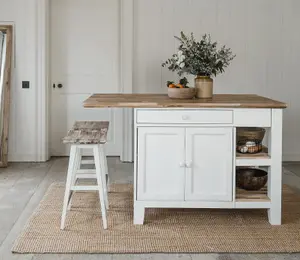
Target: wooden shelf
{"points": [[258, 159], [245, 195], [252, 199], [263, 154]]}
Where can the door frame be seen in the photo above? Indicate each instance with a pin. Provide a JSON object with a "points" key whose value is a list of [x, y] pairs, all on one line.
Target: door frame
{"points": [[126, 22]]}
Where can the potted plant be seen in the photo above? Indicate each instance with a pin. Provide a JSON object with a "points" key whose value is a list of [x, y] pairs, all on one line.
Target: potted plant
{"points": [[200, 58], [180, 90]]}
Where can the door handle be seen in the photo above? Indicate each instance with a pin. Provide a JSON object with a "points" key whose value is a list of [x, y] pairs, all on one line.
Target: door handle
{"points": [[189, 164], [59, 85], [182, 165]]}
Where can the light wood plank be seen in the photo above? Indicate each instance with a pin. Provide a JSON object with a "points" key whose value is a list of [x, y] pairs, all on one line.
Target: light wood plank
{"points": [[52, 256], [92, 257], [259, 159], [152, 257], [205, 256], [262, 155], [86, 136], [249, 196], [8, 29], [162, 100]]}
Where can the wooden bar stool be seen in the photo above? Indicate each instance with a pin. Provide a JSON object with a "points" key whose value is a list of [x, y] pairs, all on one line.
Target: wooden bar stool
{"points": [[80, 139]]}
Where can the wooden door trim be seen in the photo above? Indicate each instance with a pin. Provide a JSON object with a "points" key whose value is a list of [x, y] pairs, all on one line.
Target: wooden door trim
{"points": [[7, 79], [43, 77]]}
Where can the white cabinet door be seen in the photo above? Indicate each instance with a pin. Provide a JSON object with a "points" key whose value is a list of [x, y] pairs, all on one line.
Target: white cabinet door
{"points": [[160, 170], [209, 164]]}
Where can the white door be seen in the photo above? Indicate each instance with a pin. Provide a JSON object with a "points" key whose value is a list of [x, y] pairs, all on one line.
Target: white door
{"points": [[209, 164], [84, 48], [161, 163]]}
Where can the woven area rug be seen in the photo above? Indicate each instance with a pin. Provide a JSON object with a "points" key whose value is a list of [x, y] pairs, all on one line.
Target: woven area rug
{"points": [[165, 230]]}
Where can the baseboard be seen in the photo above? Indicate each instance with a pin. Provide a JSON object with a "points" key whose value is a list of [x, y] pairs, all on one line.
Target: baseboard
{"points": [[26, 158], [291, 157]]}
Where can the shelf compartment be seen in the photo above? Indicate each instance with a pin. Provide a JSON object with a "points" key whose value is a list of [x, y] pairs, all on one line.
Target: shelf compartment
{"points": [[252, 199], [259, 159], [253, 162], [262, 155]]}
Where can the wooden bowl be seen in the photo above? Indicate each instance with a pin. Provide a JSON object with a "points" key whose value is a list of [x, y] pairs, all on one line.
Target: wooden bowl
{"points": [[250, 133], [181, 93], [251, 178]]}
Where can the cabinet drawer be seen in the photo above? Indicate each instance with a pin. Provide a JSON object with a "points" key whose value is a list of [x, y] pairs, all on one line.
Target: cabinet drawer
{"points": [[185, 116], [252, 117]]}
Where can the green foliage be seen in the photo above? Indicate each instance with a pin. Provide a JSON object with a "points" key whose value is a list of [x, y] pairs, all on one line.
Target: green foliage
{"points": [[169, 83], [184, 82], [199, 57]]}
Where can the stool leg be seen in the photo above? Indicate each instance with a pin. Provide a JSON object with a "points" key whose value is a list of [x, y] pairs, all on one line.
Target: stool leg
{"points": [[99, 168], [104, 174], [74, 179], [71, 171], [106, 168]]}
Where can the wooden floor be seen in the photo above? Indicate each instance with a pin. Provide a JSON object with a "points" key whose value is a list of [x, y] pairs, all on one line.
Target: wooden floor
{"points": [[23, 185]]}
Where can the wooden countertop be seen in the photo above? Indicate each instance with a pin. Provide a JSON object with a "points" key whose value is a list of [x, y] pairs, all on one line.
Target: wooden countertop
{"points": [[163, 101]]}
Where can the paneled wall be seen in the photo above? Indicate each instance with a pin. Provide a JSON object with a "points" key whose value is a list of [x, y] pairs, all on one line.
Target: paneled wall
{"points": [[23, 125], [262, 33]]}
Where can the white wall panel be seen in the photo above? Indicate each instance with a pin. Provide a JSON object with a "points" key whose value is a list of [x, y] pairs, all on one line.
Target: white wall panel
{"points": [[22, 128], [263, 34]]}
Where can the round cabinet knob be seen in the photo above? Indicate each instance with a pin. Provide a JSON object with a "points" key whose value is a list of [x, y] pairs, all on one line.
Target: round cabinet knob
{"points": [[182, 164], [189, 164], [185, 117], [60, 85]]}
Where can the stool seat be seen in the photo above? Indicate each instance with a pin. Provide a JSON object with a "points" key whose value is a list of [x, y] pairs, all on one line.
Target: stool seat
{"points": [[87, 136], [92, 125]]}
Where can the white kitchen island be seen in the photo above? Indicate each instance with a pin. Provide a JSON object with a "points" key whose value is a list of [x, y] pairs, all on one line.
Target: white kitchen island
{"points": [[185, 151]]}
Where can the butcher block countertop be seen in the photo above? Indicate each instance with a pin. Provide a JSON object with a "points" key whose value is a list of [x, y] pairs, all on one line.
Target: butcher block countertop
{"points": [[163, 101]]}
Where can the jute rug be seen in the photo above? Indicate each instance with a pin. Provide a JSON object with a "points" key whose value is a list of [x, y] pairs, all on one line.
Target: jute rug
{"points": [[165, 230]]}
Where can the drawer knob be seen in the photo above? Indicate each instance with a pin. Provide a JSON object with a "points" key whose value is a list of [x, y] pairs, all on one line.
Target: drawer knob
{"points": [[185, 117]]}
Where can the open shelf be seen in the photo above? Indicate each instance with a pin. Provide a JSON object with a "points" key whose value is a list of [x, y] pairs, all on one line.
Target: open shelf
{"points": [[262, 154], [252, 199], [258, 159]]}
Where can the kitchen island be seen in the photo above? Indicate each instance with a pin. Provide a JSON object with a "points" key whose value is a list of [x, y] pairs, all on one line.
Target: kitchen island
{"points": [[185, 151]]}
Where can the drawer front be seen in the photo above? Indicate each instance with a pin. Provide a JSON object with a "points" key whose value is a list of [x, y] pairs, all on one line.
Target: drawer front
{"points": [[185, 116], [252, 117]]}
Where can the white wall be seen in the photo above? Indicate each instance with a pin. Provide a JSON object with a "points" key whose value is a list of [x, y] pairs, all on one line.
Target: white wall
{"points": [[23, 126], [263, 34]]}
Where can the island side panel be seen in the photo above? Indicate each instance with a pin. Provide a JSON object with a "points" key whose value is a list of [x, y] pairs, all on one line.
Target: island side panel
{"points": [[138, 207], [275, 170]]}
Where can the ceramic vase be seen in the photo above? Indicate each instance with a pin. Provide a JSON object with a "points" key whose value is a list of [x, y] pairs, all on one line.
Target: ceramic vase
{"points": [[204, 87]]}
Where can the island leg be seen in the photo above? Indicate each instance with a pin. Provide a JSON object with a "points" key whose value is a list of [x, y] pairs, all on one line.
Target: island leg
{"points": [[139, 214], [275, 170]]}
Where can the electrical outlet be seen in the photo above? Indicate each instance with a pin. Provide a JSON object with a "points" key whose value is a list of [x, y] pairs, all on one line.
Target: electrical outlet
{"points": [[25, 84]]}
